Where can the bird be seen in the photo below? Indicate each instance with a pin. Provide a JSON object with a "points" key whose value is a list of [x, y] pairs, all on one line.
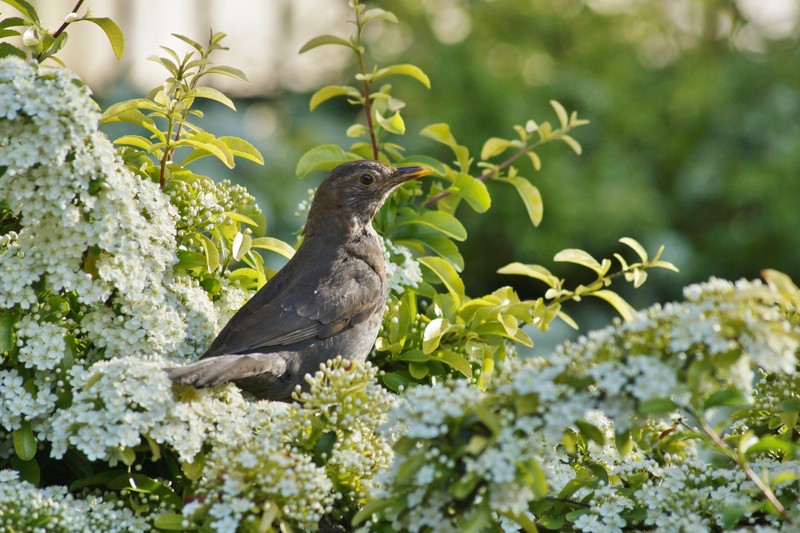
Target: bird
{"points": [[327, 301]]}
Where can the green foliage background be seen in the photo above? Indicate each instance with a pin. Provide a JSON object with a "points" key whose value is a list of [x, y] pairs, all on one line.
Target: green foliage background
{"points": [[695, 146]]}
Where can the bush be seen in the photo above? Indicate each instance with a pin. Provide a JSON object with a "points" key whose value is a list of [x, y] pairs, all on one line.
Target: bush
{"points": [[119, 261]]}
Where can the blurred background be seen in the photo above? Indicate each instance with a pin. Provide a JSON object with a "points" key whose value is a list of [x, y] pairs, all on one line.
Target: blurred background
{"points": [[694, 139]]}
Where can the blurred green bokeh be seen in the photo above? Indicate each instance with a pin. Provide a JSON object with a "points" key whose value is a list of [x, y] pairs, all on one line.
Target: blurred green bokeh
{"points": [[694, 141]]}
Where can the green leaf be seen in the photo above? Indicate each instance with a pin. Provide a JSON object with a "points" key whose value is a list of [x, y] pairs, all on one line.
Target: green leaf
{"points": [[447, 274], [138, 141], [322, 40], [657, 406], [113, 32], [231, 72], [411, 71], [439, 132], [323, 157], [530, 195], [7, 320], [532, 271], [194, 44], [771, 443], [210, 251], [393, 124], [274, 245], [241, 245], [127, 105], [590, 432], [454, 360], [617, 302], [494, 146], [25, 8], [377, 14], [424, 161], [534, 157], [563, 117], [730, 396], [172, 522], [241, 148], [25, 441], [474, 191], [7, 49], [572, 143], [479, 519], [331, 91], [370, 508], [638, 248], [211, 94], [438, 220], [580, 257]]}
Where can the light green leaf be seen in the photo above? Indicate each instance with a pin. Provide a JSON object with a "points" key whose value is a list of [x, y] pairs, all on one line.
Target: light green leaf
{"points": [[616, 301], [238, 217], [579, 257], [530, 195], [171, 522], [274, 245], [455, 361], [424, 161], [563, 117], [322, 40], [412, 71], [113, 32], [127, 105], [137, 141], [393, 124], [438, 220], [194, 44], [241, 148], [331, 91], [240, 245], [211, 94], [372, 507], [231, 72], [494, 146], [209, 143], [210, 251], [572, 143], [638, 248], [25, 441], [323, 157], [534, 157], [440, 133], [474, 191], [532, 271], [356, 130], [447, 274], [377, 14]]}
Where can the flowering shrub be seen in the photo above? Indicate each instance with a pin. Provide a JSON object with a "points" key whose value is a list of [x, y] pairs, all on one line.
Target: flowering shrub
{"points": [[118, 262]]}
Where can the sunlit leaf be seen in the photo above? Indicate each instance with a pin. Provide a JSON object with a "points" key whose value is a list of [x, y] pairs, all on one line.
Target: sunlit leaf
{"points": [[563, 117], [393, 124], [323, 157], [440, 133], [447, 274], [473, 191], [532, 271], [331, 91], [412, 71], [438, 220], [638, 248], [274, 245], [494, 146], [530, 195], [580, 257], [211, 94], [25, 8], [113, 32], [322, 40], [623, 308]]}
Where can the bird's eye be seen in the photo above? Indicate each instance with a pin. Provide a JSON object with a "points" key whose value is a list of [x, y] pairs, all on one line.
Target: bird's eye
{"points": [[366, 179]]}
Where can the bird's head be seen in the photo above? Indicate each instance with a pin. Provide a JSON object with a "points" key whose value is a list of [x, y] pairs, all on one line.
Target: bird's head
{"points": [[354, 191]]}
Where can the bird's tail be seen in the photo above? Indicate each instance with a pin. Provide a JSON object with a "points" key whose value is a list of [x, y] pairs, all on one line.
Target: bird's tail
{"points": [[221, 369]]}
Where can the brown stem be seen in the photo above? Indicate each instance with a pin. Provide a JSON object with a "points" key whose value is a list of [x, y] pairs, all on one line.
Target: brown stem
{"points": [[61, 28], [368, 108]]}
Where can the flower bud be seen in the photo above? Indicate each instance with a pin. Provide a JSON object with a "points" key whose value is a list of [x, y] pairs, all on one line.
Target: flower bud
{"points": [[71, 17], [31, 37]]}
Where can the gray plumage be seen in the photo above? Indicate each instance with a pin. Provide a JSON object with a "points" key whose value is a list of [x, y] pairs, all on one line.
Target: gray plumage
{"points": [[326, 301]]}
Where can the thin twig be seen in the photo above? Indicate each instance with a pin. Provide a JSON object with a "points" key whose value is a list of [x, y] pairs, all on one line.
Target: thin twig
{"points": [[61, 28], [494, 171], [765, 490], [367, 104]]}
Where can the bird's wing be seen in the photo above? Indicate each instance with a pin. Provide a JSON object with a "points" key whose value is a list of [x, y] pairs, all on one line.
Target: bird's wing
{"points": [[301, 306]]}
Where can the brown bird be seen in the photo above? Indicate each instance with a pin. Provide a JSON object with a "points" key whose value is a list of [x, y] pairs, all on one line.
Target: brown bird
{"points": [[326, 301]]}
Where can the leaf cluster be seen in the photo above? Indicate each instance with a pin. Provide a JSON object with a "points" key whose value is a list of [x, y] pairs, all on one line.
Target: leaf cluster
{"points": [[39, 43]]}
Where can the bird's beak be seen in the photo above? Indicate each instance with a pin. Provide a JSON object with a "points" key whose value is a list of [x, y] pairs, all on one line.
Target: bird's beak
{"points": [[405, 174]]}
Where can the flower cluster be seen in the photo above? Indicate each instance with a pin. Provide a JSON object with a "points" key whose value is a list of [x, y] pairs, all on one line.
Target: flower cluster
{"points": [[313, 458], [54, 510], [609, 399]]}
